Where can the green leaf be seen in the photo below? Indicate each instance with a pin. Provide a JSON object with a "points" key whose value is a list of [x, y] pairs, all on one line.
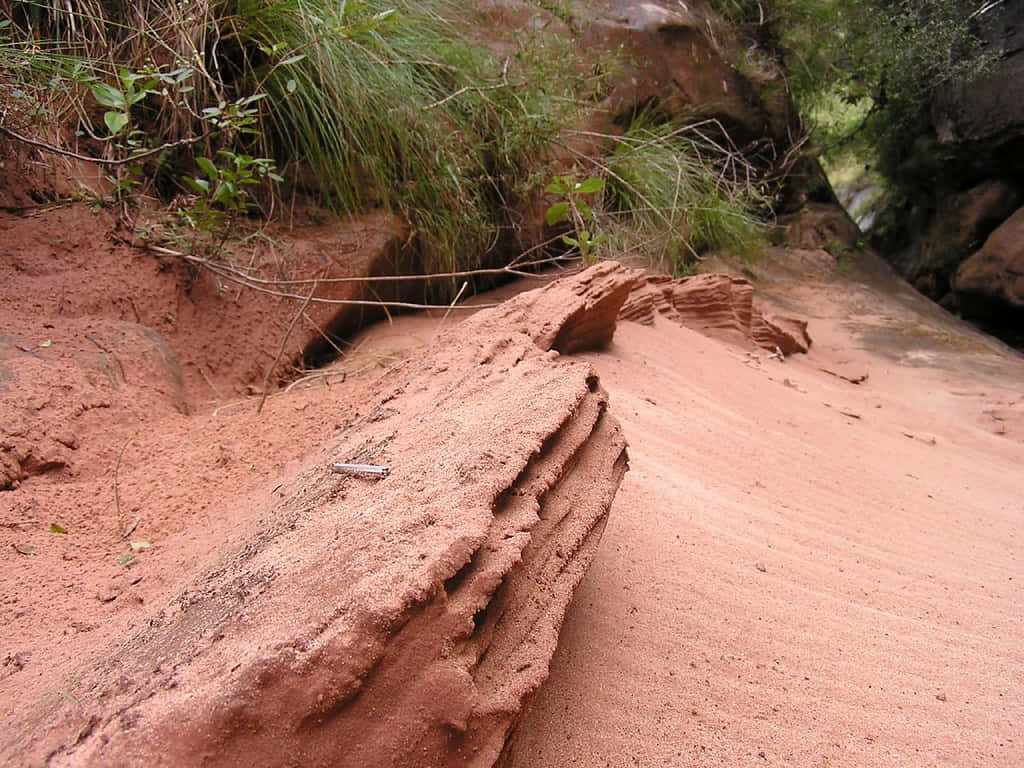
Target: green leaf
{"points": [[586, 212], [560, 187], [55, 528], [206, 165], [199, 186], [125, 558], [138, 546], [116, 121], [590, 187], [293, 60], [108, 96], [556, 213]]}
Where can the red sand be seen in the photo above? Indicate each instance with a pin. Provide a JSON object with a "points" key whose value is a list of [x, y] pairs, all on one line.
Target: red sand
{"points": [[797, 570]]}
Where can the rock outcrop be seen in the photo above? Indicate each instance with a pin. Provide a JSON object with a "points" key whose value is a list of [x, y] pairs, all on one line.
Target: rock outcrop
{"points": [[990, 284], [977, 133], [983, 121], [403, 621], [961, 224], [717, 305]]}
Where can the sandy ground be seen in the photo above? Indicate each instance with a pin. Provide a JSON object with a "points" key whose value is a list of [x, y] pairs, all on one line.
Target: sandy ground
{"points": [[798, 570]]}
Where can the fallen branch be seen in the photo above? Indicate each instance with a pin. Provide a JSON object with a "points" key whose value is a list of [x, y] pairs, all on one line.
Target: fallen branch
{"points": [[101, 160], [853, 380], [260, 284]]}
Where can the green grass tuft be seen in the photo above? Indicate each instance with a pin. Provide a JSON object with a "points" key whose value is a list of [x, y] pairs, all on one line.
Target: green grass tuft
{"points": [[394, 105], [675, 192]]}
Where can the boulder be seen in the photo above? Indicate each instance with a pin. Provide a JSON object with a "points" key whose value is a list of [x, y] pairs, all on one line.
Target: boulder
{"points": [[959, 227], [820, 226], [990, 284], [399, 621], [982, 122]]}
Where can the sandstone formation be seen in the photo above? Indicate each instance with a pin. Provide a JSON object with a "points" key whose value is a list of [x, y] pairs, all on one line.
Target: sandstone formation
{"points": [[961, 224], [977, 132], [396, 622], [819, 226], [679, 63], [717, 305], [991, 282], [983, 121]]}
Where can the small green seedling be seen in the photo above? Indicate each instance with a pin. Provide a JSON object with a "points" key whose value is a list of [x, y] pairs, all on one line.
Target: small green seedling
{"points": [[577, 210]]}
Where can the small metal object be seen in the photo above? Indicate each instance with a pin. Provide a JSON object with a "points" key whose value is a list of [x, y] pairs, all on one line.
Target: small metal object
{"points": [[370, 470]]}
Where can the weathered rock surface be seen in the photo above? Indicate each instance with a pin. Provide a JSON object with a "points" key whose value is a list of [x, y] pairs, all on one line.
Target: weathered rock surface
{"points": [[717, 305], [675, 62], [402, 622], [991, 282], [983, 121], [977, 129], [959, 227], [816, 226]]}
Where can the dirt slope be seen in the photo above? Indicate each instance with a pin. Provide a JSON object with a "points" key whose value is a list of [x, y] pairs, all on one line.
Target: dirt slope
{"points": [[802, 571]]}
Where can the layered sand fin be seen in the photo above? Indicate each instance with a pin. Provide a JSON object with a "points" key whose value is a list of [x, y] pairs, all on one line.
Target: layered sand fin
{"points": [[404, 621]]}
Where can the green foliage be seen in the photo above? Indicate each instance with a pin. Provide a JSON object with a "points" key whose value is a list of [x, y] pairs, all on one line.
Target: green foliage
{"points": [[370, 104], [576, 208], [222, 189], [675, 192], [393, 105], [863, 72]]}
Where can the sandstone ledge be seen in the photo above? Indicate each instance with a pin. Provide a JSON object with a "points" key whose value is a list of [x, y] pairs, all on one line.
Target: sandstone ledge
{"points": [[399, 622], [717, 305]]}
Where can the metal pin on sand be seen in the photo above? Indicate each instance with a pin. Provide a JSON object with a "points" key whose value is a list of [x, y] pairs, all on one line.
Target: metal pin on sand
{"points": [[361, 470]]}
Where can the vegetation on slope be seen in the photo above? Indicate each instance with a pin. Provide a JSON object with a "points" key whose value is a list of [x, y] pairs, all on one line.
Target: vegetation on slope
{"points": [[212, 105]]}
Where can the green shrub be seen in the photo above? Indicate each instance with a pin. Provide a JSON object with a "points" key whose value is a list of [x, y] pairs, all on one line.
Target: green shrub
{"points": [[367, 104]]}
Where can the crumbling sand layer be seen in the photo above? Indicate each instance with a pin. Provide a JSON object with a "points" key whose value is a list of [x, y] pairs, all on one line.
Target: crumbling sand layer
{"points": [[401, 620]]}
